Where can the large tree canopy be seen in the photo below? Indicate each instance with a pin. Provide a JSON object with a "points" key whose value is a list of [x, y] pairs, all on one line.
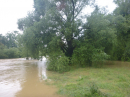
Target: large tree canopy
{"points": [[53, 24], [56, 29]]}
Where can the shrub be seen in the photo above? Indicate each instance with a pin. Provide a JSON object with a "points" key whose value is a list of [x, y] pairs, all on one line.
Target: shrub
{"points": [[59, 64], [83, 56], [89, 56], [98, 58]]}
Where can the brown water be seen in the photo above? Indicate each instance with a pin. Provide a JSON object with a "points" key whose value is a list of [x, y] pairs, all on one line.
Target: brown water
{"points": [[24, 78]]}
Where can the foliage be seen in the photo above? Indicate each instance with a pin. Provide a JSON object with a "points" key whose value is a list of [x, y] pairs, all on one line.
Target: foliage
{"points": [[9, 53], [53, 26], [89, 56], [2, 54], [58, 63], [8, 46], [83, 56], [122, 22], [55, 29], [99, 40], [99, 57], [126, 54], [99, 32], [12, 53], [123, 7], [9, 40]]}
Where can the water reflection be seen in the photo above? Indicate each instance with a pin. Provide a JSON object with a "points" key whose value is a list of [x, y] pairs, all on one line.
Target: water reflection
{"points": [[42, 70], [24, 78]]}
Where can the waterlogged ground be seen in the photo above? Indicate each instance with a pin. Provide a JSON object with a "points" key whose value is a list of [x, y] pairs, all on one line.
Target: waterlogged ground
{"points": [[24, 78]]}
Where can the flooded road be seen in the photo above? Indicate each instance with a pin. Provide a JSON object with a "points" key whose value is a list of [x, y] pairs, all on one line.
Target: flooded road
{"points": [[24, 78]]}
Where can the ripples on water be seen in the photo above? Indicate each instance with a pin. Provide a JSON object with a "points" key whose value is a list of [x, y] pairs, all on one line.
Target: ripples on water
{"points": [[23, 78]]}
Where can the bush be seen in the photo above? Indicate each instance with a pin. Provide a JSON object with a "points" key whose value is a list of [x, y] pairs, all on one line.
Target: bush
{"points": [[83, 56], [89, 56], [98, 58], [59, 64]]}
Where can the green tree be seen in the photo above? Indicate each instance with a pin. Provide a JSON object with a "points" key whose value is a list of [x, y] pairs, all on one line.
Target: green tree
{"points": [[122, 22], [97, 40], [3, 39], [11, 39], [59, 28], [8, 46], [53, 29], [123, 7], [2, 54]]}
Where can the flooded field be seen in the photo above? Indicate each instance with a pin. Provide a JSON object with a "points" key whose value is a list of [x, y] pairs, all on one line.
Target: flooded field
{"points": [[24, 78]]}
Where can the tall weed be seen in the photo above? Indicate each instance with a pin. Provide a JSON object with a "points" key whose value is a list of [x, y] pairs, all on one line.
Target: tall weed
{"points": [[95, 92]]}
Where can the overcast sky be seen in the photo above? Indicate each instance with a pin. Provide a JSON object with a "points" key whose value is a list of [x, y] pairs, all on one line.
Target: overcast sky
{"points": [[12, 10]]}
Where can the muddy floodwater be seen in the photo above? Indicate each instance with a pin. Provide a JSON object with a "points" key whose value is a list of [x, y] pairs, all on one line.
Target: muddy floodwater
{"points": [[24, 78]]}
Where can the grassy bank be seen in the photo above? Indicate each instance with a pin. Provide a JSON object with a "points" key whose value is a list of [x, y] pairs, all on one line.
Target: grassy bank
{"points": [[113, 80]]}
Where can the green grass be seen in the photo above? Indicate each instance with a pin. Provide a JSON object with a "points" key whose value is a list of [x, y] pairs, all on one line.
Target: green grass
{"points": [[110, 81]]}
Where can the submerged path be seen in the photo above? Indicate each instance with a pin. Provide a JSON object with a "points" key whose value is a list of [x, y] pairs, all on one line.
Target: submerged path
{"points": [[24, 78]]}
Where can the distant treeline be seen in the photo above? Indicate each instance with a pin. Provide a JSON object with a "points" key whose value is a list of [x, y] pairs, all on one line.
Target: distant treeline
{"points": [[8, 46]]}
